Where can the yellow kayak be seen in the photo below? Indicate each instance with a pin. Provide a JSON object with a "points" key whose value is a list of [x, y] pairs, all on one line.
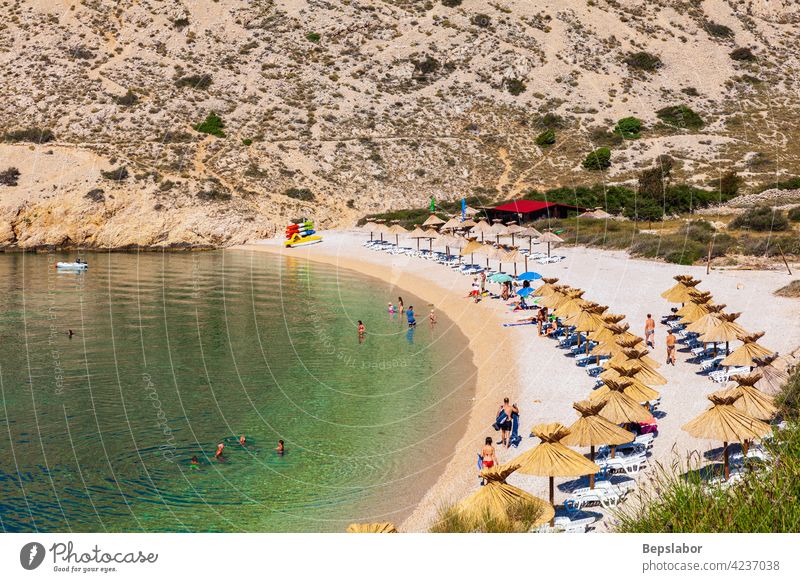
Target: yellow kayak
{"points": [[298, 241]]}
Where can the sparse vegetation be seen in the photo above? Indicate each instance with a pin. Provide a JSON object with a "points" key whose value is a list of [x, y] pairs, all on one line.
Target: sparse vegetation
{"points": [[201, 82], [729, 184], [643, 61], [761, 219], [718, 30], [520, 518], [31, 134], [451, 3], [313, 37], [95, 195], [117, 174], [629, 127], [9, 177], [212, 125], [546, 138], [481, 20], [214, 191], [548, 121], [599, 159], [794, 214], [743, 54], [129, 99], [680, 116], [790, 290], [303, 194], [515, 86]]}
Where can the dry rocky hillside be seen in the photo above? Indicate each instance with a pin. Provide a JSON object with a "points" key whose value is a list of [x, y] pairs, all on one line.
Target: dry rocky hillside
{"points": [[334, 109]]}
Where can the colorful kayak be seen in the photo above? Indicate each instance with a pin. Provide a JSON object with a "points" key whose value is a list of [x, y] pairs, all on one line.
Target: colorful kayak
{"points": [[300, 234]]}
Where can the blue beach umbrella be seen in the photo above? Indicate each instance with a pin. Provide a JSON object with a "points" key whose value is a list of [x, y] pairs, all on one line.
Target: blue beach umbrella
{"points": [[524, 292], [529, 276], [500, 278]]}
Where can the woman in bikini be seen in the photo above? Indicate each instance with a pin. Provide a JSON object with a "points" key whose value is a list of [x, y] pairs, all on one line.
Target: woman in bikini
{"points": [[487, 452]]}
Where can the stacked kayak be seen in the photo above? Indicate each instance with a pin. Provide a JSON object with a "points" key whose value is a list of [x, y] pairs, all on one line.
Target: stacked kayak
{"points": [[301, 233], [72, 266]]}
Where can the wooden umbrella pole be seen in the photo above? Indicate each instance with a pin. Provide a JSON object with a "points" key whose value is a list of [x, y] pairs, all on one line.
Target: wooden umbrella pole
{"points": [[552, 499], [548, 249], [708, 262], [591, 457], [725, 452], [526, 263], [785, 262]]}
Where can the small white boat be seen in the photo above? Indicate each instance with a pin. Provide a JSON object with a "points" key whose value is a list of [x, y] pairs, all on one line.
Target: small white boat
{"points": [[72, 266]]}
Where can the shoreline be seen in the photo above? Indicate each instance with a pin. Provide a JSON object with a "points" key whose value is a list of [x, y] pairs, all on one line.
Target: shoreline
{"points": [[493, 354], [514, 362]]}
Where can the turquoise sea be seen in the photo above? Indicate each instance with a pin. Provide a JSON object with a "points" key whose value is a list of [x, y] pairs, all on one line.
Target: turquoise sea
{"points": [[173, 353]]}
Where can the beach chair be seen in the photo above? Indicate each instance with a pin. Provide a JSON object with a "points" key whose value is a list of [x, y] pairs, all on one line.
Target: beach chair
{"points": [[623, 465], [722, 376], [627, 450], [594, 370], [604, 494], [568, 523]]}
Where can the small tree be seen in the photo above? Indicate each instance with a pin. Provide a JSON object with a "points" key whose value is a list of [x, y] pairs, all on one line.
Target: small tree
{"points": [[629, 127], [9, 177], [680, 116], [743, 54], [515, 86], [546, 138], [729, 184], [643, 61], [761, 219], [599, 159]]}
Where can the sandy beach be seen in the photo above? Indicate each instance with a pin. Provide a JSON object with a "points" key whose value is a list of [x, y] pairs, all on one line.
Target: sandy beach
{"points": [[532, 371]]}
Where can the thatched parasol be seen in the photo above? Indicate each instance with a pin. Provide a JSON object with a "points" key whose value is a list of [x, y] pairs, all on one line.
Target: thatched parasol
{"points": [[451, 224], [724, 422], [558, 295], [637, 389], [483, 228], [620, 408], [747, 353], [707, 322], [774, 378], [418, 234], [549, 238], [433, 221], [371, 227], [384, 527], [548, 286], [679, 293], [587, 319], [571, 304], [468, 223], [726, 331], [496, 496], [592, 430], [751, 400], [530, 233], [637, 357], [552, 459], [397, 230], [696, 308]]}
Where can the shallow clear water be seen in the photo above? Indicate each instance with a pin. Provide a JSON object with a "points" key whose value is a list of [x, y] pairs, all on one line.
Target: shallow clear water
{"points": [[173, 353]]}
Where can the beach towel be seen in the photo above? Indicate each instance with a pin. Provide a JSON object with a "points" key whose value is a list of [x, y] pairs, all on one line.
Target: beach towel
{"points": [[499, 420], [515, 439]]}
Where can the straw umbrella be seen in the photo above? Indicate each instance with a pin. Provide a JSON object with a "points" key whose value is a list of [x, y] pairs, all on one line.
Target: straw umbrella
{"points": [[371, 227], [496, 496], [514, 229], [550, 237], [571, 304], [773, 378], [724, 422], [530, 233], [552, 459], [472, 247], [418, 234], [620, 408], [498, 229], [751, 400], [384, 527], [433, 221], [708, 321], [679, 293], [547, 287], [514, 256], [483, 228], [587, 320], [747, 353], [592, 430], [451, 224], [636, 357], [468, 223], [637, 389], [696, 308], [397, 230], [727, 331]]}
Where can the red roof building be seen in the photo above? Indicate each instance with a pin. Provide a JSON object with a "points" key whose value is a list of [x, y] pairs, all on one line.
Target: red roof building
{"points": [[530, 210]]}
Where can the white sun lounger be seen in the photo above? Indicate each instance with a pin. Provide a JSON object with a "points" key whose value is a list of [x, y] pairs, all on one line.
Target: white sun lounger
{"points": [[605, 494], [565, 524]]}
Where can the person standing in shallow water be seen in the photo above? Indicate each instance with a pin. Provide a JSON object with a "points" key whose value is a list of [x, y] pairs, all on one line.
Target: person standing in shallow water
{"points": [[410, 315], [362, 330], [400, 307]]}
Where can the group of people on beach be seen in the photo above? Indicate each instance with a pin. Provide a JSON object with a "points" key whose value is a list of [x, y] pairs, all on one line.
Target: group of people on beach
{"points": [[506, 419]]}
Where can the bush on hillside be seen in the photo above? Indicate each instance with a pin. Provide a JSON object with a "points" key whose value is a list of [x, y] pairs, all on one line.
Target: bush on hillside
{"points": [[212, 125], [95, 195], [743, 54], [794, 214], [128, 100], [300, 194], [200, 81], [481, 20], [599, 159], [628, 127], [761, 219], [313, 36], [729, 184], [116, 174], [546, 138], [680, 116], [515, 86], [32, 134], [451, 3], [548, 121], [9, 177], [426, 66], [643, 61], [718, 30]]}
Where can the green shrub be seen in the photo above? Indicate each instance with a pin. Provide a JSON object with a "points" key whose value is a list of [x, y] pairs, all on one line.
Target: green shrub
{"points": [[481, 20], [95, 195], [426, 66], [300, 194], [629, 127], [548, 121], [116, 175], [129, 99], [313, 37], [643, 61], [451, 3], [794, 214], [247, 141], [729, 184], [32, 134], [743, 54], [761, 219], [180, 23], [546, 138], [214, 191], [200, 82], [680, 116], [515, 86], [599, 159], [9, 177], [212, 125], [718, 30], [789, 184]]}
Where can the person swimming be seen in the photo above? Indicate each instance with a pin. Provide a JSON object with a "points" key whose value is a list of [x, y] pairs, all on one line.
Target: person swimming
{"points": [[218, 454], [194, 462], [280, 448], [70, 333], [243, 441], [361, 328]]}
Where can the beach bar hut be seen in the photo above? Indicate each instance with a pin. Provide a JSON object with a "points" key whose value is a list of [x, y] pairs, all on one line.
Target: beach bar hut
{"points": [[592, 430], [551, 458], [726, 423]]}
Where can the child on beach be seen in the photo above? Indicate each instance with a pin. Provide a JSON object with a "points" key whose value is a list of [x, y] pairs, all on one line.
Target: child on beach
{"points": [[432, 317], [391, 309]]}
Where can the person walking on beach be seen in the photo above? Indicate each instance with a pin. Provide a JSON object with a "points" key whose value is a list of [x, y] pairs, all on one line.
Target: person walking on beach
{"points": [[671, 347], [507, 422], [410, 315], [650, 331], [475, 294], [488, 454], [483, 282], [432, 317]]}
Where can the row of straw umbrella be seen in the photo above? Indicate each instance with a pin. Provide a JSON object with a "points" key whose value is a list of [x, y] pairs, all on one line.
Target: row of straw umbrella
{"points": [[741, 412]]}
